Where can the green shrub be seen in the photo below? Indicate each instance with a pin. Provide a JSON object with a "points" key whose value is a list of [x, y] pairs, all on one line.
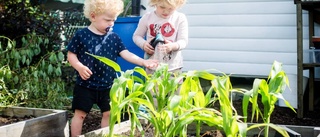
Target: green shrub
{"points": [[31, 56], [37, 84], [19, 18]]}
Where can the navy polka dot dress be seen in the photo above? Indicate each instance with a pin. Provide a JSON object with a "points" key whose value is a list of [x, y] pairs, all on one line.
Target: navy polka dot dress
{"points": [[108, 45]]}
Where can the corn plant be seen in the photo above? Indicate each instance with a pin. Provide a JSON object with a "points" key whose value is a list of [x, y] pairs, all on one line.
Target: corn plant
{"points": [[162, 114], [174, 111], [222, 86], [191, 85], [270, 91], [170, 108]]}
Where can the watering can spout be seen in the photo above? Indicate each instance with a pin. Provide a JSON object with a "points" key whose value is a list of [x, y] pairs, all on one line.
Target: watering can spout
{"points": [[158, 39]]}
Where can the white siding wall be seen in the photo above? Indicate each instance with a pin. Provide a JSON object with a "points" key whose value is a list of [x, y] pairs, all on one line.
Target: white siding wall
{"points": [[244, 37]]}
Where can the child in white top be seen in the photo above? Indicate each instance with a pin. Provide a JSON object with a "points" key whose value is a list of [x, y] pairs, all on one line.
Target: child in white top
{"points": [[172, 25]]}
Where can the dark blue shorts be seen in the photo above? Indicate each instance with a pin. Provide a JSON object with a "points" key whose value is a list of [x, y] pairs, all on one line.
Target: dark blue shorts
{"points": [[84, 98]]}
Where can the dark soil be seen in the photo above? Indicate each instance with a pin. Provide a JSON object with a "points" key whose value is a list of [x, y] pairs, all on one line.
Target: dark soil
{"points": [[5, 120]]}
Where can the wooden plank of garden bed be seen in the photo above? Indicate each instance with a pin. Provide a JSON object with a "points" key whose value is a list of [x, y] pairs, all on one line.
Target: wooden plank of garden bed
{"points": [[46, 123]]}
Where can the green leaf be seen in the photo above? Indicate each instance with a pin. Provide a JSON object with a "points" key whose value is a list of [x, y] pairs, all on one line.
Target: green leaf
{"points": [[205, 75], [141, 71], [50, 69], [24, 40], [107, 61], [35, 74], [17, 55], [60, 56], [174, 102], [23, 59], [9, 46], [28, 62], [279, 129], [58, 71], [53, 58], [37, 51], [43, 64], [16, 79]]}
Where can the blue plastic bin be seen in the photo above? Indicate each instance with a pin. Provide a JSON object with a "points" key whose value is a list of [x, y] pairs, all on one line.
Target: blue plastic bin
{"points": [[125, 27]]}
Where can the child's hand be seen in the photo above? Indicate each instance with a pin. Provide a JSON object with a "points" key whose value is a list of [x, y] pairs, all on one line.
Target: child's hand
{"points": [[150, 63], [168, 46], [84, 72], [148, 48]]}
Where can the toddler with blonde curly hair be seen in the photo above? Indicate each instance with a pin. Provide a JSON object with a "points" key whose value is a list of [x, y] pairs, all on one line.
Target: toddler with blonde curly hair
{"points": [[94, 78]]}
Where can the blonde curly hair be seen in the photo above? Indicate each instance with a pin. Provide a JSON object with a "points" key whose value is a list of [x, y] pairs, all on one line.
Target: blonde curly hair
{"points": [[97, 7], [174, 3]]}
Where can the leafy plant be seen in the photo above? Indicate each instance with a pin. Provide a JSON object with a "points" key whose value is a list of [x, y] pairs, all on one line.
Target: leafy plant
{"points": [[171, 110], [28, 79], [9, 96], [21, 17], [175, 111], [231, 126], [269, 91], [31, 48]]}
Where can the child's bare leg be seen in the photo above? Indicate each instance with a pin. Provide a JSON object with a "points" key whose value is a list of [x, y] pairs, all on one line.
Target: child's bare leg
{"points": [[77, 122], [105, 119]]}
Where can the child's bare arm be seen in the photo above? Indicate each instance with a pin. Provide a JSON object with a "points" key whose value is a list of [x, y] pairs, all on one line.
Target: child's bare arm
{"points": [[127, 55], [83, 70]]}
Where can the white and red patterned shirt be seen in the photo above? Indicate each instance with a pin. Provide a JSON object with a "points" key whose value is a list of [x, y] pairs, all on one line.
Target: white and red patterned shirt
{"points": [[174, 28]]}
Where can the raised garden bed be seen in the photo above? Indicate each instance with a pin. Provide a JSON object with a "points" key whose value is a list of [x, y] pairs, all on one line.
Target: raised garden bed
{"points": [[46, 122], [293, 131], [118, 129]]}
